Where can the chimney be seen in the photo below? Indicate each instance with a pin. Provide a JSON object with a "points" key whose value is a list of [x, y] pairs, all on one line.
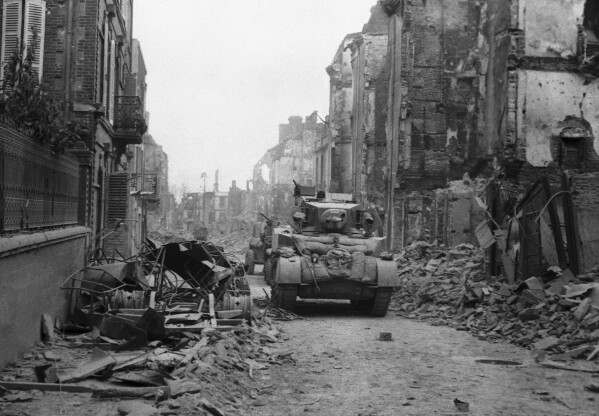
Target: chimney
{"points": [[295, 125], [216, 181], [312, 119]]}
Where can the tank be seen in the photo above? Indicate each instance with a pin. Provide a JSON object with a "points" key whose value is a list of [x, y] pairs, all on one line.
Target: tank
{"points": [[332, 252]]}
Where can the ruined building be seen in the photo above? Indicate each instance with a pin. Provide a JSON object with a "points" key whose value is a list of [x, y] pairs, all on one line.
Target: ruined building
{"points": [[450, 117], [156, 172], [542, 128], [206, 209], [291, 159]]}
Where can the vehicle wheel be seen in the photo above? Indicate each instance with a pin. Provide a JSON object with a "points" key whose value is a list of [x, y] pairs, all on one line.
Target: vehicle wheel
{"points": [[237, 300], [284, 296], [267, 270], [249, 262], [381, 300]]}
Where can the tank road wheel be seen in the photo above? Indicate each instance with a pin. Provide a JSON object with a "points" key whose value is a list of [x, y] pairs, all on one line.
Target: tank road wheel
{"points": [[284, 296], [381, 300], [267, 270], [249, 262]]}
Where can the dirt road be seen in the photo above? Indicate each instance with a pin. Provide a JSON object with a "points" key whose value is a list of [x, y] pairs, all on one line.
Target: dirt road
{"points": [[340, 367], [343, 369]]}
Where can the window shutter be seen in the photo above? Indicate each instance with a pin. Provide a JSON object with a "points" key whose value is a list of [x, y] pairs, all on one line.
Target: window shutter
{"points": [[35, 21], [117, 209], [105, 63], [12, 20], [111, 83]]}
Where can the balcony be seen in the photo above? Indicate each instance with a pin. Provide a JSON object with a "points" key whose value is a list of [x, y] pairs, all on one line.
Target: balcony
{"points": [[129, 123]]}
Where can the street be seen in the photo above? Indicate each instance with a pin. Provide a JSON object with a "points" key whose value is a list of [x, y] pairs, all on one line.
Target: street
{"points": [[343, 369]]}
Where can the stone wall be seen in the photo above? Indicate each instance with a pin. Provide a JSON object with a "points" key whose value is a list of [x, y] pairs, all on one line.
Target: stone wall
{"points": [[33, 268]]}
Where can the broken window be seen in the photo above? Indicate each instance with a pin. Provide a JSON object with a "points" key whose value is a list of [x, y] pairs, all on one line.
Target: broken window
{"points": [[571, 145], [571, 152]]}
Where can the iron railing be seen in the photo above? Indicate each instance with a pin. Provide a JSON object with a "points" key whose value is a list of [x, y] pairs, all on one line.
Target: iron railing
{"points": [[38, 189]]}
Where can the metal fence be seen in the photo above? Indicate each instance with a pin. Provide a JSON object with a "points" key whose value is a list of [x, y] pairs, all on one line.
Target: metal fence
{"points": [[38, 189]]}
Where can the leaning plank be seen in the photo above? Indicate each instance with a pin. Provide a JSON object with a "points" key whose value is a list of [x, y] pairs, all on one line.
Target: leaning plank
{"points": [[211, 309], [140, 359], [70, 388], [560, 366], [99, 361]]}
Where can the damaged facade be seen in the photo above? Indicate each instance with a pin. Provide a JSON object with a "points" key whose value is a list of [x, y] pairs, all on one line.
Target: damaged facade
{"points": [[458, 109], [370, 86], [436, 89], [333, 157], [547, 137]]}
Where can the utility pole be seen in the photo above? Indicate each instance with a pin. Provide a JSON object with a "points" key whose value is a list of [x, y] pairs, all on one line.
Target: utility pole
{"points": [[204, 200]]}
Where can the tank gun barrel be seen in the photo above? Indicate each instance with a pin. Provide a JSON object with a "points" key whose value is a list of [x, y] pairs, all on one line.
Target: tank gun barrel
{"points": [[267, 219]]}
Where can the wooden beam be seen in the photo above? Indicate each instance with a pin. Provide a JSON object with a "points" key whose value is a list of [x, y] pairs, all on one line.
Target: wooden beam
{"points": [[555, 224], [571, 228]]}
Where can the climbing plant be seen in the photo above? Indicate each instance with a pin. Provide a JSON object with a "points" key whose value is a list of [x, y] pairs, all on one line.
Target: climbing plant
{"points": [[26, 103]]}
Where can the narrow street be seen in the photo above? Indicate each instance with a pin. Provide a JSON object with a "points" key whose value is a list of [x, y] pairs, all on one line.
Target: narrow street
{"points": [[343, 369]]}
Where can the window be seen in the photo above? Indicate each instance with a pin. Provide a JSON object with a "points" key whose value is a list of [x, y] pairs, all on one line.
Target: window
{"points": [[20, 20], [571, 153]]}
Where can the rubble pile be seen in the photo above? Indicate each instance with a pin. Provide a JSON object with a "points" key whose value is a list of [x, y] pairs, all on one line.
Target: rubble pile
{"points": [[235, 243], [165, 236], [433, 280], [557, 312], [173, 323], [212, 373]]}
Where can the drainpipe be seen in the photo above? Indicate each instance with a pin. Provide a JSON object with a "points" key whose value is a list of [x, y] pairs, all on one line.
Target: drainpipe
{"points": [[69, 43]]}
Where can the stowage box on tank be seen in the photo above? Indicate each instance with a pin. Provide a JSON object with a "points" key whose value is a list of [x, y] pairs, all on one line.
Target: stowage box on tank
{"points": [[332, 253]]}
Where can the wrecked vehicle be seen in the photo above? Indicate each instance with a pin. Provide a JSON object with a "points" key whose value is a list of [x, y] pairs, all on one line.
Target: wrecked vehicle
{"points": [[332, 253], [175, 287]]}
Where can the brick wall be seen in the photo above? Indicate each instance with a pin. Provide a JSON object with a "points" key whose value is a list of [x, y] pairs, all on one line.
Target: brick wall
{"points": [[84, 53], [585, 194], [33, 268]]}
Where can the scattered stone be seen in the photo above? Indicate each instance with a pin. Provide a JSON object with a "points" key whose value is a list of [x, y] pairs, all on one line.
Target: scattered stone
{"points": [[529, 314], [546, 343], [136, 408], [594, 387], [385, 336]]}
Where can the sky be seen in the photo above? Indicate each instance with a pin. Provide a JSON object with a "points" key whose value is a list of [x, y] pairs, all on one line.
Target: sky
{"points": [[222, 76]]}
